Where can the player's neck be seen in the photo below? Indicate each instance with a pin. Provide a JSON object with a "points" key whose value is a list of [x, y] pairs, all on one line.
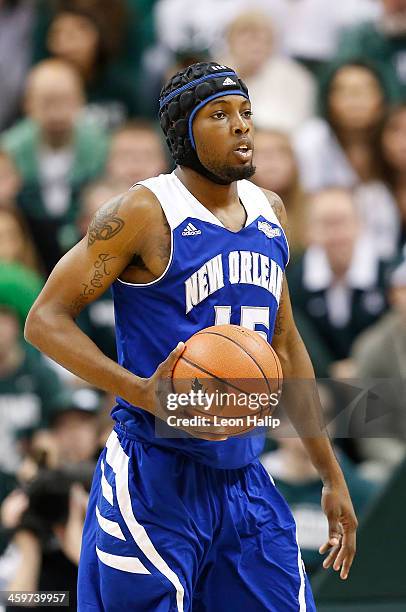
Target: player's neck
{"points": [[210, 194]]}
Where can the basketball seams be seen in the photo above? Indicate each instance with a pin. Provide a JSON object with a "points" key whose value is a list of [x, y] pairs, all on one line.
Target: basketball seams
{"points": [[222, 380], [227, 383], [213, 333]]}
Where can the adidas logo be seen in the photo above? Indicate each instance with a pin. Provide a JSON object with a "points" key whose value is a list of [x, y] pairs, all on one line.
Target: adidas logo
{"points": [[269, 231], [191, 230], [229, 81]]}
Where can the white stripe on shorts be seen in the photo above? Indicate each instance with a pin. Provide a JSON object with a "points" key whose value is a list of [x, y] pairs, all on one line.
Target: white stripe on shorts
{"points": [[302, 596], [110, 527], [118, 461], [125, 564]]}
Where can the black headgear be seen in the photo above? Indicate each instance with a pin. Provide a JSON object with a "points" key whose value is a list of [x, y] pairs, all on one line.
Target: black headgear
{"points": [[181, 98]]}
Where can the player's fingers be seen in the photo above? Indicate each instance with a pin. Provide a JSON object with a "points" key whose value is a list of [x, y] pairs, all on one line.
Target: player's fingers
{"points": [[334, 531], [165, 369], [346, 554], [324, 548], [345, 570], [329, 560], [333, 540]]}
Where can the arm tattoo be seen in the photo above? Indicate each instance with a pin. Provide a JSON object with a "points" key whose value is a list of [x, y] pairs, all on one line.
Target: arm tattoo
{"points": [[106, 223], [100, 271]]}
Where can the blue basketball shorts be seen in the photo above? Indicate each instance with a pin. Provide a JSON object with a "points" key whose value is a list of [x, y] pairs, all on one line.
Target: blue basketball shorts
{"points": [[164, 533]]}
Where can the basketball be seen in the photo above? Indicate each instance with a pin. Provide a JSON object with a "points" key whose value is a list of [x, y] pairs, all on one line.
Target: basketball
{"points": [[237, 370]]}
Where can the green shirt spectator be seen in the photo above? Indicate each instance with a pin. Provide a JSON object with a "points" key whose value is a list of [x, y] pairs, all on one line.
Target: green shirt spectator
{"points": [[382, 42], [29, 393], [303, 496], [56, 153], [29, 387], [111, 41]]}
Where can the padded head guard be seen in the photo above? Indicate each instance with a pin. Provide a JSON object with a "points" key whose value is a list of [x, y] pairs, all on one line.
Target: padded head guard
{"points": [[182, 97]]}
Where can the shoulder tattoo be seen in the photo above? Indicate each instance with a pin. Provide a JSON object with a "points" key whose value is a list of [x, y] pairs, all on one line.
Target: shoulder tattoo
{"points": [[106, 223]]}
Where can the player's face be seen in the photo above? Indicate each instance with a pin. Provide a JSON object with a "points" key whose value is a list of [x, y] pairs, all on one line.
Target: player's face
{"points": [[223, 132]]}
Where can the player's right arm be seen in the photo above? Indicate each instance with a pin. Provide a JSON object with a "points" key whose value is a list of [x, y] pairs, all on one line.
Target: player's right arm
{"points": [[117, 232]]}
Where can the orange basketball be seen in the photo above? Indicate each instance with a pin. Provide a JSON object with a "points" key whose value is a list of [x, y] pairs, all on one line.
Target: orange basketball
{"points": [[233, 376]]}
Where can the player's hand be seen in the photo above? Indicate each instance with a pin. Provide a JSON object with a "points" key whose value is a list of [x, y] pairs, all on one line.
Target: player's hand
{"points": [[159, 385], [342, 522]]}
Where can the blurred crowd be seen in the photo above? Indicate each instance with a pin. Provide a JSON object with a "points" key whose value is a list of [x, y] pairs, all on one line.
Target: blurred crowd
{"points": [[79, 84]]}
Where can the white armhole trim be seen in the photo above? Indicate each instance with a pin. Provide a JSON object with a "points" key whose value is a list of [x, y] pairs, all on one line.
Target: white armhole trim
{"points": [[253, 193], [156, 280], [155, 186]]}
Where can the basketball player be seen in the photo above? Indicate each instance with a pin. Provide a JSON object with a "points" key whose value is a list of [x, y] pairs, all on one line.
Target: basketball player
{"points": [[188, 523]]}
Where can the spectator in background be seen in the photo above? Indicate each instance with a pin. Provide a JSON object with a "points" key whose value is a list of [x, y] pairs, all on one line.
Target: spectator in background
{"points": [[337, 287], [282, 91], [136, 153], [277, 170], [296, 478], [382, 40], [89, 35], [72, 437], [44, 552], [16, 244], [55, 153], [342, 147], [380, 353], [29, 389], [382, 204], [74, 428], [309, 30], [10, 181], [16, 25], [92, 197], [394, 156], [45, 511]]}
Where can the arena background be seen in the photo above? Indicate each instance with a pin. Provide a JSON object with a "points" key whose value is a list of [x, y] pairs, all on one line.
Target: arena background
{"points": [[79, 82]]}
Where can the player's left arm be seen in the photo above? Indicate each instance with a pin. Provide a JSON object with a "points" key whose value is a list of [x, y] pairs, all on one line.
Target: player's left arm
{"points": [[301, 401]]}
